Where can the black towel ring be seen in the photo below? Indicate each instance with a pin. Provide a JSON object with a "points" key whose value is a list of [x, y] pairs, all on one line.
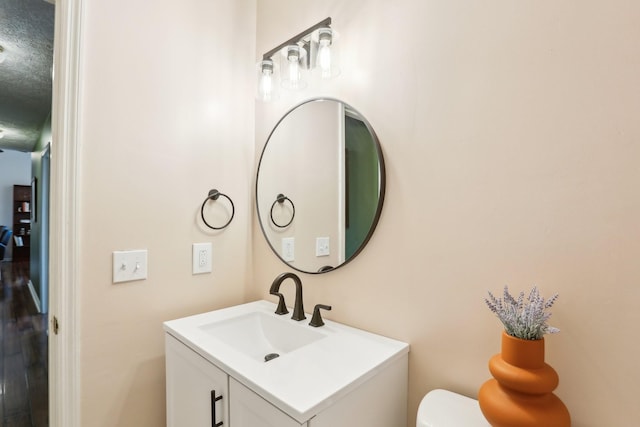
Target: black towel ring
{"points": [[213, 195], [281, 199]]}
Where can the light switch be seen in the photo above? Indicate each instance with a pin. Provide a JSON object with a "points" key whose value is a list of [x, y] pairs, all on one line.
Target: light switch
{"points": [[322, 246], [129, 265], [288, 249], [202, 257]]}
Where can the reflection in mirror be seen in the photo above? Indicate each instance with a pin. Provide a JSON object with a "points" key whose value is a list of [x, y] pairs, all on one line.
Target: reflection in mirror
{"points": [[320, 185]]}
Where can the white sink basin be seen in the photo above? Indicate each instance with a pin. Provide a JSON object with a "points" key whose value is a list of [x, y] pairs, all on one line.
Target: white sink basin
{"points": [[260, 335]]}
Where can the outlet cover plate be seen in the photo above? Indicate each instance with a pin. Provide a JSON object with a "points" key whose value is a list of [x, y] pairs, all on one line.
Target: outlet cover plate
{"points": [[202, 258], [288, 249]]}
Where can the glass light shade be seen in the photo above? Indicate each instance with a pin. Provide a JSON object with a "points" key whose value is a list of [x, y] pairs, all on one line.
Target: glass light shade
{"points": [[324, 58], [267, 87], [293, 64], [325, 53]]}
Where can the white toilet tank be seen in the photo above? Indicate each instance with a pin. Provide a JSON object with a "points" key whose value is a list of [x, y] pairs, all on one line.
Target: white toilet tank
{"points": [[442, 408]]}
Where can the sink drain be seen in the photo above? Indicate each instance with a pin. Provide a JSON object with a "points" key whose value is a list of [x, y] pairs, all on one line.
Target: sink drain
{"points": [[271, 356]]}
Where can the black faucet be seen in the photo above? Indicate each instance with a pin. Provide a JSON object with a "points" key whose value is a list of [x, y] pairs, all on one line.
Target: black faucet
{"points": [[298, 309]]}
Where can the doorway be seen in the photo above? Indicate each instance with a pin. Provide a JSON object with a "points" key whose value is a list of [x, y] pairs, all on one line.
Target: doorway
{"points": [[26, 50], [63, 271]]}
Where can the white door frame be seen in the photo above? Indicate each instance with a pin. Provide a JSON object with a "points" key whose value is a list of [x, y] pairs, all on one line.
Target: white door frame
{"points": [[64, 299]]}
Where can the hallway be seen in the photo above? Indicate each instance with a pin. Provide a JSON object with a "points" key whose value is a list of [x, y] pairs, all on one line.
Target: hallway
{"points": [[23, 353]]}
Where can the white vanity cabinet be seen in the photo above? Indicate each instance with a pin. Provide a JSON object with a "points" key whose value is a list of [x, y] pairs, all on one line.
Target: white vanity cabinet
{"points": [[345, 378]]}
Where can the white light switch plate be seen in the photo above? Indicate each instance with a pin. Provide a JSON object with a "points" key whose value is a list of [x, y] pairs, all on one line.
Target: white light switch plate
{"points": [[202, 258], [129, 265]]}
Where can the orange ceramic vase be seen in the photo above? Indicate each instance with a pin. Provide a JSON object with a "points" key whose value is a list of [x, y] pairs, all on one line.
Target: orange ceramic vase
{"points": [[520, 393]]}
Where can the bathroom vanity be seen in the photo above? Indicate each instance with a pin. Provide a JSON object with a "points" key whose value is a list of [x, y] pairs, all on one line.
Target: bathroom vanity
{"points": [[245, 366]]}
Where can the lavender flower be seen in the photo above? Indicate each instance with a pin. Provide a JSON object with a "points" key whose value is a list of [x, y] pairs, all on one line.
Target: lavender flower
{"points": [[524, 319]]}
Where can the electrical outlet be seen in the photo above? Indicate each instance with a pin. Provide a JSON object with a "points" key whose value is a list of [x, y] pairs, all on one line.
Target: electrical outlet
{"points": [[202, 258], [288, 249]]}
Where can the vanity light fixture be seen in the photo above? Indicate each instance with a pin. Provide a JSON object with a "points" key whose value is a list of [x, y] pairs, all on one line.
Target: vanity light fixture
{"points": [[313, 49]]}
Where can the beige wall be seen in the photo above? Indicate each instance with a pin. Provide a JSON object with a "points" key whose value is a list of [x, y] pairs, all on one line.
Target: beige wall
{"points": [[511, 139], [166, 115]]}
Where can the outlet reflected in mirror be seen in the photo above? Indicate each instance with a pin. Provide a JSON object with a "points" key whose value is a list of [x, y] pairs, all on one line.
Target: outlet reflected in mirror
{"points": [[321, 181]]}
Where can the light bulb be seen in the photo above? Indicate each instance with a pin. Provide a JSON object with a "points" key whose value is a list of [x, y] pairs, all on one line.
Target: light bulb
{"points": [[265, 86], [327, 57], [292, 65], [266, 89], [324, 58], [294, 68]]}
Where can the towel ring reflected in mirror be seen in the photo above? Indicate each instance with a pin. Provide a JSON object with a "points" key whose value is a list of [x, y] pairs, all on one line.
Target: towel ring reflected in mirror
{"points": [[280, 199]]}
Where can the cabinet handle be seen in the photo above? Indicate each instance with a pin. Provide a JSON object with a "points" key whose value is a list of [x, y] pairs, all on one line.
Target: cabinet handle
{"points": [[214, 399]]}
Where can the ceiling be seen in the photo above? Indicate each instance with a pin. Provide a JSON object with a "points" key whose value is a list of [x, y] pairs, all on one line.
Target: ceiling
{"points": [[26, 34]]}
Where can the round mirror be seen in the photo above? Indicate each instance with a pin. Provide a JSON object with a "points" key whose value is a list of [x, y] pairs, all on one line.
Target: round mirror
{"points": [[320, 185]]}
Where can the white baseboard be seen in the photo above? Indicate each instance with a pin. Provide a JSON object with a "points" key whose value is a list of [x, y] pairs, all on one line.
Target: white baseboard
{"points": [[34, 295]]}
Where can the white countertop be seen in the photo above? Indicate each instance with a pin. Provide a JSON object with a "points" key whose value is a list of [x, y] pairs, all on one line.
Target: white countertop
{"points": [[301, 383]]}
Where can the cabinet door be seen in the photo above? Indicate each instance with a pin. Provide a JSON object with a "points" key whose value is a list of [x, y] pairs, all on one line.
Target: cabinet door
{"points": [[250, 410], [193, 385]]}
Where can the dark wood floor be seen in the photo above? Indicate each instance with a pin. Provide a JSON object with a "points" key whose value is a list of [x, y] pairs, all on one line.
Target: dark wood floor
{"points": [[23, 353]]}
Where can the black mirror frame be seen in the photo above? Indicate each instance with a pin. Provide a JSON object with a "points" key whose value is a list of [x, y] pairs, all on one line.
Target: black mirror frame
{"points": [[381, 197]]}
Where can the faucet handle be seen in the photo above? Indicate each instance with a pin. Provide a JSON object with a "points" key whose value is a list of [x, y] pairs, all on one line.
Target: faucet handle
{"points": [[316, 319], [282, 307]]}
